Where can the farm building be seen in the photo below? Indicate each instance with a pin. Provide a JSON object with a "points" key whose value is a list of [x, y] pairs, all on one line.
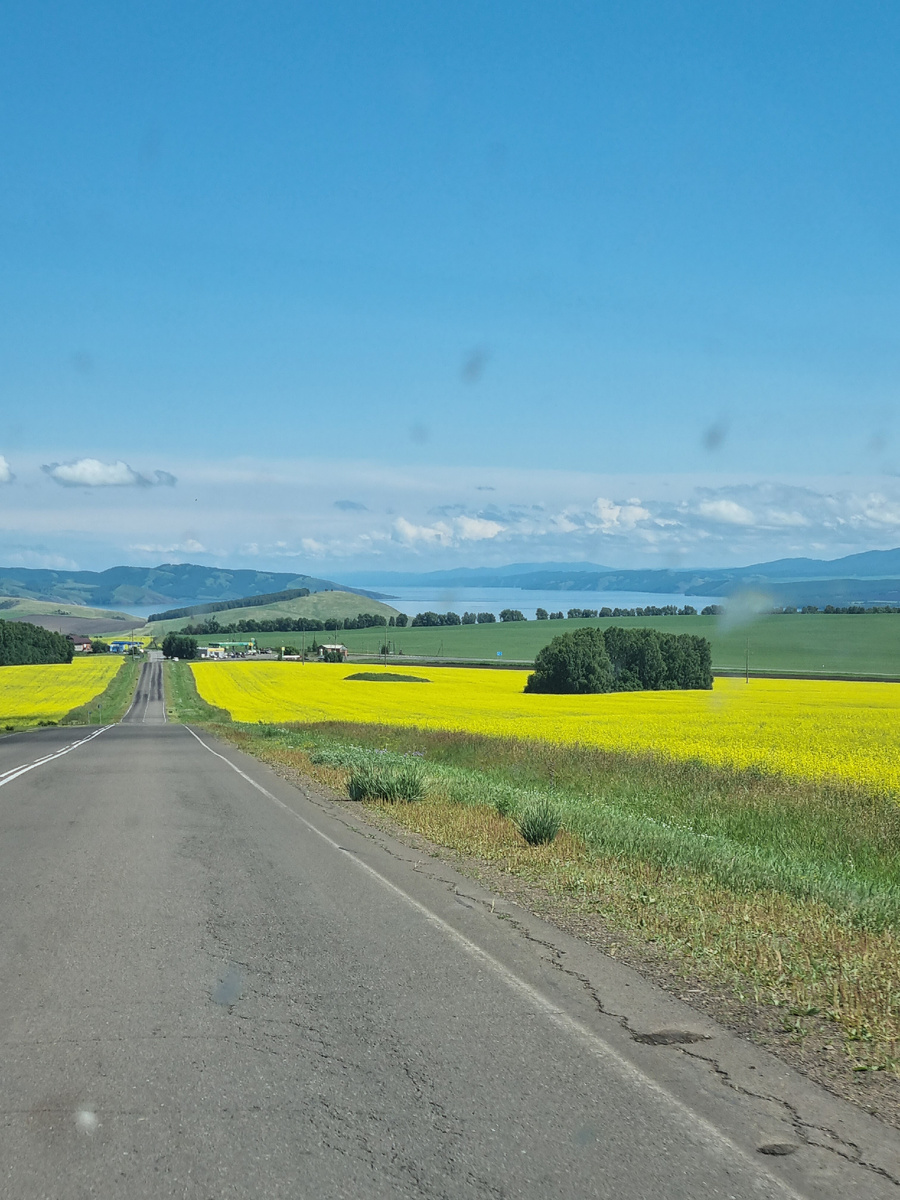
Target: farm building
{"points": [[335, 649]]}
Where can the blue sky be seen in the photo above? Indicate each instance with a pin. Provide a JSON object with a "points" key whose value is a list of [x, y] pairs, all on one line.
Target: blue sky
{"points": [[419, 284]]}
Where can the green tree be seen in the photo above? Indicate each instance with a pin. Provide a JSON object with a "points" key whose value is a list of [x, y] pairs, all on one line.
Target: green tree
{"points": [[179, 645], [24, 643], [622, 660], [573, 662], [540, 614]]}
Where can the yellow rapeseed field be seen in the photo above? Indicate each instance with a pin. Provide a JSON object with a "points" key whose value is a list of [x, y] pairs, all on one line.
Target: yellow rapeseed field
{"points": [[47, 693], [811, 729]]}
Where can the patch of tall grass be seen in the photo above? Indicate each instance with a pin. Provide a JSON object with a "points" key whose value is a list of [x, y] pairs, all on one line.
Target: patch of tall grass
{"points": [[404, 784]]}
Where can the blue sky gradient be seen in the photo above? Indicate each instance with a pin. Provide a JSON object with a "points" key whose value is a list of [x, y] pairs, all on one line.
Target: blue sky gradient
{"points": [[418, 244]]}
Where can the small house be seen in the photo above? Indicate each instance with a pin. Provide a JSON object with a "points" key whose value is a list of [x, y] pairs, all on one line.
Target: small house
{"points": [[334, 649]]}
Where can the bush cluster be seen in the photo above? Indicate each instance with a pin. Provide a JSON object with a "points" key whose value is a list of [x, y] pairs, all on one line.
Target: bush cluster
{"points": [[622, 660]]}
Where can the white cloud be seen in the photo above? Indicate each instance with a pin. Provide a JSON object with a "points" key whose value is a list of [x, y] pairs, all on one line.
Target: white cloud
{"points": [[6, 475], [878, 510], [476, 529], [726, 511], [446, 533], [439, 534], [91, 472], [36, 556], [284, 512], [623, 516], [188, 546]]}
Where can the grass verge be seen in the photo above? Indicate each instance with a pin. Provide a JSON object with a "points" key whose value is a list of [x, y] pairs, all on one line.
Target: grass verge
{"points": [[112, 703], [782, 894]]}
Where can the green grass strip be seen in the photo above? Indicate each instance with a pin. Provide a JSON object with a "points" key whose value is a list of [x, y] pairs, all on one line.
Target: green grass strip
{"points": [[743, 831], [183, 702]]}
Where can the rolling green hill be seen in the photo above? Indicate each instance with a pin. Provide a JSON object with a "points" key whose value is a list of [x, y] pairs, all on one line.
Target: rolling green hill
{"points": [[16, 607], [319, 605]]}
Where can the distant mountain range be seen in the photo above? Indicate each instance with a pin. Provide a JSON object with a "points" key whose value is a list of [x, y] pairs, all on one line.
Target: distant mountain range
{"points": [[167, 586], [867, 578]]}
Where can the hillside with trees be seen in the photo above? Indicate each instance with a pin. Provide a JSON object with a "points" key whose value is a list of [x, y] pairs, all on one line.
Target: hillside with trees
{"points": [[317, 610], [24, 644], [167, 585]]}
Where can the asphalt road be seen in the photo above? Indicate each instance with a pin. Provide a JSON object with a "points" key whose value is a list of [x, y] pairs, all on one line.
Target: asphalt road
{"points": [[148, 705], [217, 985]]}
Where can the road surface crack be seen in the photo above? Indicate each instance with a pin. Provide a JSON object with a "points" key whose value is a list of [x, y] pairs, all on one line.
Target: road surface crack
{"points": [[849, 1151]]}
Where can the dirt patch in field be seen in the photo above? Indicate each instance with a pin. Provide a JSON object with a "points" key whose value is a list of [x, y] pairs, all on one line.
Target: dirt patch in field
{"points": [[90, 627]]}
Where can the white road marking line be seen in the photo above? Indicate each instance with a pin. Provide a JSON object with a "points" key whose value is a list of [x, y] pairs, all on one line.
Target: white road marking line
{"points": [[597, 1046], [14, 772]]}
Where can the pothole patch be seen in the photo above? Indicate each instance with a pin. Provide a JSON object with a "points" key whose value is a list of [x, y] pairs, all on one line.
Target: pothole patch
{"points": [[670, 1037]]}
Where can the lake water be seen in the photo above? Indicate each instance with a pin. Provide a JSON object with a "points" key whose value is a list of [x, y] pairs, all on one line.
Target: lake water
{"points": [[414, 600]]}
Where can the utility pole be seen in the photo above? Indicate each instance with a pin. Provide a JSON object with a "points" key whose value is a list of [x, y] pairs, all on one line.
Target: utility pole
{"points": [[748, 660]]}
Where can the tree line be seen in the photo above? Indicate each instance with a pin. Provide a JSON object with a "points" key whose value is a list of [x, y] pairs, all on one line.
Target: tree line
{"points": [[22, 644], [212, 626], [650, 610], [622, 660], [468, 618], [849, 610]]}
